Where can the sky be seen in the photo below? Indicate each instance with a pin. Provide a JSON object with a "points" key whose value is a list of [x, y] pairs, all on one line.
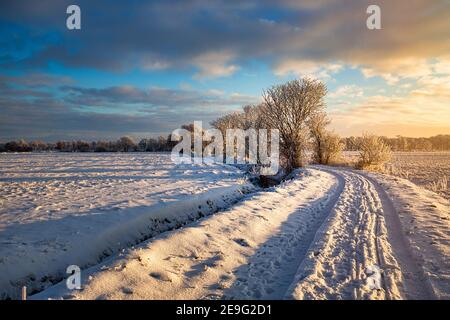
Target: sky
{"points": [[144, 68]]}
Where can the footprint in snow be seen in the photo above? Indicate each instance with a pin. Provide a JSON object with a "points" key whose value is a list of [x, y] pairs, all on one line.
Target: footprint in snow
{"points": [[127, 290], [242, 242], [160, 276]]}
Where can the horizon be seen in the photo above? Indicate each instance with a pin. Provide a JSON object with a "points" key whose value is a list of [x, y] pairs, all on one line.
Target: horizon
{"points": [[143, 77], [137, 139]]}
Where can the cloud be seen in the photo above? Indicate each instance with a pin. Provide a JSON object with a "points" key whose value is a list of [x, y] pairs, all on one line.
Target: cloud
{"points": [[310, 5], [155, 96], [421, 110], [410, 115], [35, 80], [433, 86], [218, 37], [153, 64], [303, 68], [395, 70], [212, 39], [214, 64], [104, 113], [347, 91]]}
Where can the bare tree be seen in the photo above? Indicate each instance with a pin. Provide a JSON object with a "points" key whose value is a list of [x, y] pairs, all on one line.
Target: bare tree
{"points": [[228, 121], [101, 146], [126, 144], [289, 108], [251, 117], [38, 145]]}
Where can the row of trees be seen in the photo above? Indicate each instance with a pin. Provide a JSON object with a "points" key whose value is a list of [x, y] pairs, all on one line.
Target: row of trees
{"points": [[124, 144], [248, 118], [399, 143], [297, 110]]}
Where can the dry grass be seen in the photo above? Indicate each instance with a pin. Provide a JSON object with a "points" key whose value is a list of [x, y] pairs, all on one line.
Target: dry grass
{"points": [[431, 170]]}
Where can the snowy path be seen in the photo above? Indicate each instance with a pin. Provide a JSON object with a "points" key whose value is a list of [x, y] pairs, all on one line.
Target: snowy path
{"points": [[414, 281], [328, 234], [349, 247], [248, 251], [419, 234], [366, 232]]}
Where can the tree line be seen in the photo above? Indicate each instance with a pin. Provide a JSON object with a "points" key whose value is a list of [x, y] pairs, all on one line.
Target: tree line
{"points": [[124, 144], [163, 144], [399, 143], [296, 109]]}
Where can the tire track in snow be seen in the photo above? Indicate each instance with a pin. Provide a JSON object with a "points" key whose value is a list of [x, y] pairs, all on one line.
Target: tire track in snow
{"points": [[272, 268], [415, 284], [308, 239], [215, 257], [348, 248]]}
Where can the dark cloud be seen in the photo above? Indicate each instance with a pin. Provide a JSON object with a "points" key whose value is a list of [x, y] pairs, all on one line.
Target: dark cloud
{"points": [[215, 37], [177, 34], [45, 118], [32, 110], [160, 97], [34, 80]]}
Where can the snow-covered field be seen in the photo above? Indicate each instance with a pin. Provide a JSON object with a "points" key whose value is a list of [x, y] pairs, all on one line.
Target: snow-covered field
{"points": [[430, 170], [59, 209], [328, 233]]}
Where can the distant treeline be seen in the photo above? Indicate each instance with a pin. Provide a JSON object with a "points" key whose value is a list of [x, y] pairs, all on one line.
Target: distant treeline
{"points": [[161, 144], [124, 144], [399, 143]]}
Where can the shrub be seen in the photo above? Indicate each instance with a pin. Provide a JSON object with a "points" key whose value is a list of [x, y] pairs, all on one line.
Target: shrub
{"points": [[327, 146], [373, 152], [332, 147]]}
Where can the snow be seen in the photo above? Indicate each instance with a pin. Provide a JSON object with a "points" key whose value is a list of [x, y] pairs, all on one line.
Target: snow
{"points": [[424, 224], [385, 223], [327, 233], [429, 170], [62, 209], [248, 251], [349, 245]]}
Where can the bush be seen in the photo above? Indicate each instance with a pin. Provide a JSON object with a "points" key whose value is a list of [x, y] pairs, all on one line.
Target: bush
{"points": [[373, 152], [332, 147], [327, 146]]}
